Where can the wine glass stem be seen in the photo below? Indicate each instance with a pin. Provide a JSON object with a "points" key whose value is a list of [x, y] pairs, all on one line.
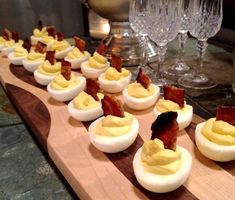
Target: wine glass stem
{"points": [[161, 51], [143, 41], [182, 36], [201, 48]]}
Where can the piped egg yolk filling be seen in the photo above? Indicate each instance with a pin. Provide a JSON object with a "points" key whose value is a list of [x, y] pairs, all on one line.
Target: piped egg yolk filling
{"points": [[60, 45], [35, 56], [40, 33], [114, 126], [2, 40], [20, 51], [48, 39], [48, 69], [60, 83], [76, 53], [84, 101], [156, 159], [112, 74], [167, 105], [12, 43], [97, 61], [219, 132], [137, 90]]}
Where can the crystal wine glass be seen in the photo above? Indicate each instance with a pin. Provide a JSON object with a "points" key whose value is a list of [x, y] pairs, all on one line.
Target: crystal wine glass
{"points": [[163, 26], [137, 20], [180, 67], [205, 24]]}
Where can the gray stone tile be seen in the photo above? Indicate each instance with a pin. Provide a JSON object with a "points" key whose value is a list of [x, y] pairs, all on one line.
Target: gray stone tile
{"points": [[26, 172], [8, 115]]}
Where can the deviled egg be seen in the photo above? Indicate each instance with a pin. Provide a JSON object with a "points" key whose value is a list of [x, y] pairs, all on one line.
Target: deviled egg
{"points": [[62, 89], [142, 93], [215, 139], [165, 104], [47, 70], [18, 55], [116, 130], [95, 66], [61, 48], [38, 34], [160, 165]]}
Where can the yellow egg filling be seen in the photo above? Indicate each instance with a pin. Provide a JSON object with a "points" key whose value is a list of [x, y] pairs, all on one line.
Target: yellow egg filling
{"points": [[219, 132], [156, 159], [114, 126]]}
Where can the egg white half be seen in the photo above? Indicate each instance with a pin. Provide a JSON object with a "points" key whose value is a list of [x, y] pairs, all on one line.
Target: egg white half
{"points": [[183, 119], [211, 150], [162, 183], [35, 40], [7, 50], [84, 115], [67, 94], [113, 86], [91, 72], [62, 54], [15, 60], [31, 66], [42, 79], [76, 63], [141, 103], [113, 144]]}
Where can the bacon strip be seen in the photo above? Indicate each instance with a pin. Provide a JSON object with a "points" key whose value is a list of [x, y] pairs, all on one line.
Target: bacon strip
{"points": [[143, 79], [165, 128], [226, 113], [40, 47], [174, 94], [112, 106], [66, 69], [50, 56], [51, 31], [80, 44], [60, 36], [27, 44], [15, 36], [116, 62], [92, 88], [101, 49], [7, 35], [40, 25]]}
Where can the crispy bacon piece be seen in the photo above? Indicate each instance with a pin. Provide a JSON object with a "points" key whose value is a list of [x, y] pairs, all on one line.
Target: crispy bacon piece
{"points": [[92, 88], [226, 113], [101, 49], [112, 106], [80, 44], [66, 69], [51, 31], [50, 56], [165, 128], [143, 79], [40, 47], [7, 35], [60, 36], [116, 62], [40, 25], [15, 36], [27, 44], [174, 94]]}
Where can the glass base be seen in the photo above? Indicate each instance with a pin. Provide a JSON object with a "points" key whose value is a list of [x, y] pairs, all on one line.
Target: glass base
{"points": [[199, 81], [178, 69]]}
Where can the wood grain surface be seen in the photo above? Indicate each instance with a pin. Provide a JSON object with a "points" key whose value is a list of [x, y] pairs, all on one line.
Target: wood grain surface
{"points": [[94, 174]]}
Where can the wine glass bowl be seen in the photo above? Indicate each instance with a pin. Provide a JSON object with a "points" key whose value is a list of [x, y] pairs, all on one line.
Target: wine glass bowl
{"points": [[206, 22], [180, 67], [162, 27]]}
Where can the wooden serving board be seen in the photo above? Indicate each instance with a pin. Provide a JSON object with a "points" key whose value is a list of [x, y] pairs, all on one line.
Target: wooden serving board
{"points": [[94, 174]]}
